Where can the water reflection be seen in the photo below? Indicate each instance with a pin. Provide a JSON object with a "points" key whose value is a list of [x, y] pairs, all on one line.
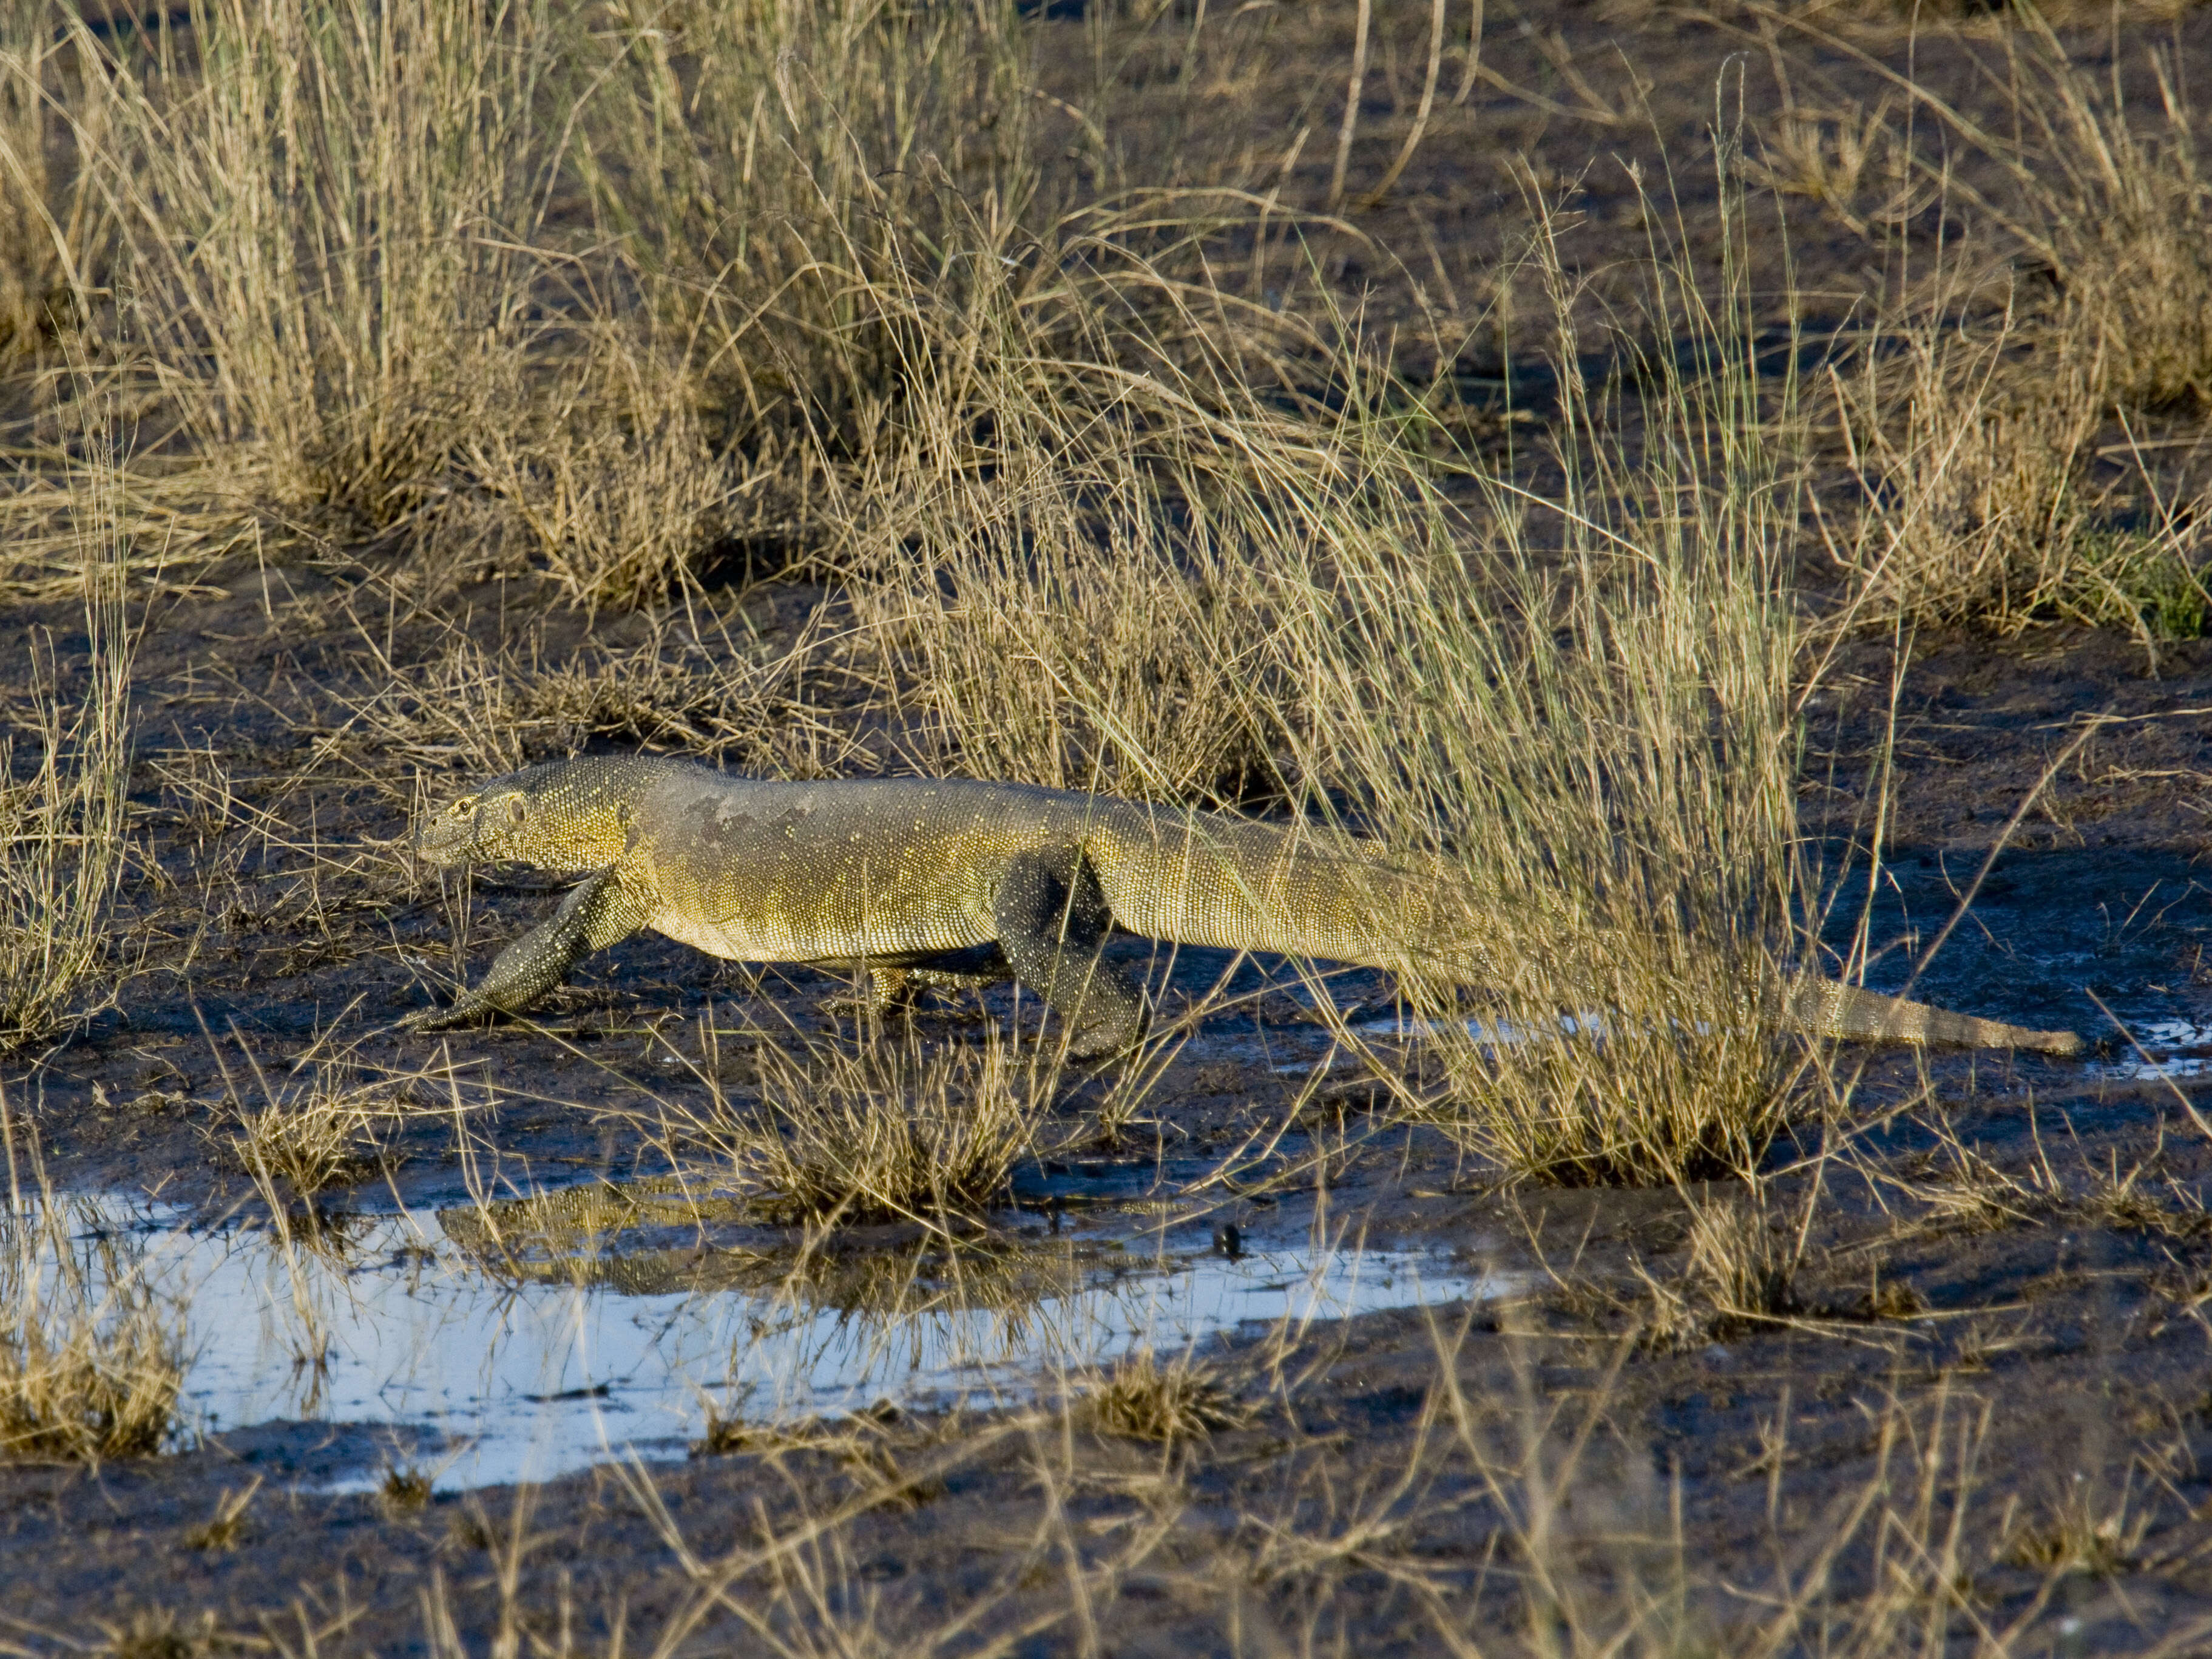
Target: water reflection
{"points": [[537, 1341]]}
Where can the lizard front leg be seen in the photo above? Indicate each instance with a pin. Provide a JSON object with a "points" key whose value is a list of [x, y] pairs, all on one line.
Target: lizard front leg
{"points": [[599, 910]]}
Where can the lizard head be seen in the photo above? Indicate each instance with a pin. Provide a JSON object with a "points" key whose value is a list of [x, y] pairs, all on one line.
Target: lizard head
{"points": [[561, 817]]}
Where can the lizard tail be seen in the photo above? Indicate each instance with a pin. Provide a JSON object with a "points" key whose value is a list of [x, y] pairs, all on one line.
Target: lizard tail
{"points": [[1823, 1007], [1198, 880]]}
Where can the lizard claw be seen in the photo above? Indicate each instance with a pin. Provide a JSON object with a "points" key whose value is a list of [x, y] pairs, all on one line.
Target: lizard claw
{"points": [[464, 1010]]}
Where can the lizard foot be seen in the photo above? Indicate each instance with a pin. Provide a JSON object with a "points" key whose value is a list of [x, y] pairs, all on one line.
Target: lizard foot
{"points": [[880, 993], [859, 1006]]}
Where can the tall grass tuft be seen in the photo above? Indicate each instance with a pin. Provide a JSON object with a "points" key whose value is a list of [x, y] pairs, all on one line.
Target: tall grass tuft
{"points": [[50, 218], [770, 167], [1590, 721], [610, 474], [64, 807], [991, 409], [1977, 462], [324, 211], [1142, 1398], [872, 1132], [2118, 204], [322, 1125], [1581, 715], [1575, 710], [1144, 572]]}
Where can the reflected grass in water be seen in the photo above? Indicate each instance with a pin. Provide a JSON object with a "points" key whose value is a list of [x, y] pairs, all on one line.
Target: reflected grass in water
{"points": [[91, 1350]]}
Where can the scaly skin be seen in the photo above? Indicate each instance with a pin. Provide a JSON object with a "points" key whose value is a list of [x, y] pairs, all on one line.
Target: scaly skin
{"points": [[948, 881]]}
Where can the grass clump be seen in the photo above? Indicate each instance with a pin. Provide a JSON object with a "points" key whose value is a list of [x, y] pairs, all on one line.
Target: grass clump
{"points": [[91, 1353], [2119, 204], [788, 179], [2107, 203], [1741, 1272], [874, 1131], [2142, 581], [1974, 443], [1579, 714], [2080, 1535], [1976, 458], [322, 1123], [162, 1633], [224, 1529], [322, 1127], [614, 479], [687, 686], [64, 817], [404, 1489], [323, 210], [1142, 1399], [1575, 712], [46, 219]]}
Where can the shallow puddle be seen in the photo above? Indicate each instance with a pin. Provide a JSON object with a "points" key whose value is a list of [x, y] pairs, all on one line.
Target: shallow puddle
{"points": [[499, 1348], [2174, 1048]]}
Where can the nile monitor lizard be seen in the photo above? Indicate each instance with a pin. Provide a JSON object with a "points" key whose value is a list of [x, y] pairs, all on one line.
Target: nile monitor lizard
{"points": [[946, 880]]}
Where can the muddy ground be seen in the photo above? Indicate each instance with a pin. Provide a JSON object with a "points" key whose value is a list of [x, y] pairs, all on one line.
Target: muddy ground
{"points": [[1992, 1373]]}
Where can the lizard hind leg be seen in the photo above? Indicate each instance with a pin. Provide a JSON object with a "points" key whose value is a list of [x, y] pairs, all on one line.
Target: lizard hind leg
{"points": [[1052, 920], [884, 987], [879, 989]]}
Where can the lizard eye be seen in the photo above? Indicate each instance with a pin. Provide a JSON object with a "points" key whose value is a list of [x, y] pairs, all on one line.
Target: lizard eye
{"points": [[464, 807]]}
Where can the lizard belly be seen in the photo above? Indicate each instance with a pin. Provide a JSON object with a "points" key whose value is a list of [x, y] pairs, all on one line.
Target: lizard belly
{"points": [[783, 939]]}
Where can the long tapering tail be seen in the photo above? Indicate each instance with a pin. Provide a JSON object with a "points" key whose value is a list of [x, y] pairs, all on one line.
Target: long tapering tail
{"points": [[1200, 879], [1824, 1007]]}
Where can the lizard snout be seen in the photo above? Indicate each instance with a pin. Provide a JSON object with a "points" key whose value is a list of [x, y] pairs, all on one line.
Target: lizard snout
{"points": [[447, 835]]}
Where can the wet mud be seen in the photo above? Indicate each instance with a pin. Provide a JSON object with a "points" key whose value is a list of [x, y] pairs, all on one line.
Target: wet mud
{"points": [[2015, 1254]]}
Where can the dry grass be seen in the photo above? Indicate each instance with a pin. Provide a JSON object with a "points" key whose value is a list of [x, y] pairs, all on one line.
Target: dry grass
{"points": [[613, 477], [1978, 416], [1144, 1400], [855, 1441], [63, 804], [1741, 1271], [321, 213], [162, 1633], [691, 685], [776, 171], [1150, 576], [2118, 204], [91, 1351], [323, 1124], [404, 1490], [2082, 1533], [226, 1527], [879, 1129], [1584, 718], [1980, 461], [47, 218], [1289, 607], [1974, 442], [1886, 1569]]}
